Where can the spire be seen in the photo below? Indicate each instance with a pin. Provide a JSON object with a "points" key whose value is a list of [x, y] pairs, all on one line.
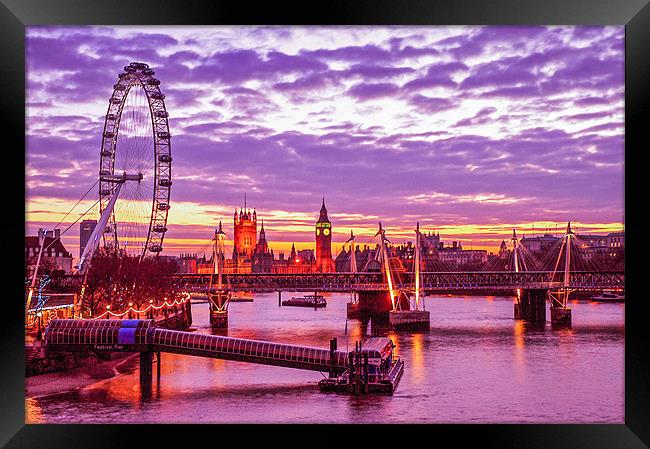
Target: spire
{"points": [[262, 233], [219, 230], [568, 228], [323, 214]]}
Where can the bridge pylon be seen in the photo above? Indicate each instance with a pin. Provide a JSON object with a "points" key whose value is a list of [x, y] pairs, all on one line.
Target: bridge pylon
{"points": [[219, 297], [415, 317], [531, 303], [558, 299]]}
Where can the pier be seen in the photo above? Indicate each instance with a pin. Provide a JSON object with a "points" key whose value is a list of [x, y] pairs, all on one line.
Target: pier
{"points": [[141, 336]]}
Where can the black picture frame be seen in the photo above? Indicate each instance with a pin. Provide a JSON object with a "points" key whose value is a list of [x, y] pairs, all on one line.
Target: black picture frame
{"points": [[634, 14]]}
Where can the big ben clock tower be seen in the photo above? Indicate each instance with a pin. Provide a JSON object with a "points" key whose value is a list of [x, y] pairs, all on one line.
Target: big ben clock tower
{"points": [[324, 262]]}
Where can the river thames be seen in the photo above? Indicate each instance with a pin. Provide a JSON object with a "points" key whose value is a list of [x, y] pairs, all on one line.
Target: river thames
{"points": [[475, 365]]}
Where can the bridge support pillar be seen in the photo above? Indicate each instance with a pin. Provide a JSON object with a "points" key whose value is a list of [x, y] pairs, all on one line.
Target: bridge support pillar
{"points": [[560, 317], [146, 371], [409, 319], [279, 299], [158, 368], [219, 319], [333, 347], [532, 306], [353, 311], [219, 310], [371, 304]]}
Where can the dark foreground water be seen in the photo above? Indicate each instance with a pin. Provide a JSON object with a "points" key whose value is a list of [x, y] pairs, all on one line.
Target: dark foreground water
{"points": [[475, 365]]}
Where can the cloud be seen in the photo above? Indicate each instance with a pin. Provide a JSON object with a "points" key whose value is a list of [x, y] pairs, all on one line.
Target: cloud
{"points": [[369, 91], [472, 124]]}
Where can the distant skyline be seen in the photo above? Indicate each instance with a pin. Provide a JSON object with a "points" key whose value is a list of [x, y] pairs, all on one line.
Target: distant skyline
{"points": [[472, 131]]}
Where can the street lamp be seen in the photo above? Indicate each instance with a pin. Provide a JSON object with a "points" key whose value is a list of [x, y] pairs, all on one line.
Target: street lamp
{"points": [[39, 335]]}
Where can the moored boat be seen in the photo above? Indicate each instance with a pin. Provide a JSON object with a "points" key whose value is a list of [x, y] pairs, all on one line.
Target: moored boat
{"points": [[314, 301], [241, 296], [609, 297]]}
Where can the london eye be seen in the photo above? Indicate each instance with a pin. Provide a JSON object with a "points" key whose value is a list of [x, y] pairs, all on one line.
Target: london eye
{"points": [[135, 165]]}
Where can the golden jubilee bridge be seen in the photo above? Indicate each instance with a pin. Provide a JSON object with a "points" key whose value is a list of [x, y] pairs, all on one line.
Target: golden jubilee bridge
{"points": [[400, 293], [431, 281]]}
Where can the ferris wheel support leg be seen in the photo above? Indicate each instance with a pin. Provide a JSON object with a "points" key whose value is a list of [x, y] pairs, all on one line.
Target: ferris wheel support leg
{"points": [[93, 241]]}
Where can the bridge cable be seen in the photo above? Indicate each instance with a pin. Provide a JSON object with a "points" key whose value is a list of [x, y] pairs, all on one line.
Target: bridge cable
{"points": [[84, 195], [73, 223]]}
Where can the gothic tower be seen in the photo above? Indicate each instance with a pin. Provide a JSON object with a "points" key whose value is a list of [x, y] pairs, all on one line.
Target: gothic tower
{"points": [[324, 262], [245, 237]]}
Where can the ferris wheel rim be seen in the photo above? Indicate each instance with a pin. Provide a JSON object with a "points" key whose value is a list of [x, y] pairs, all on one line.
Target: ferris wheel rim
{"points": [[138, 75]]}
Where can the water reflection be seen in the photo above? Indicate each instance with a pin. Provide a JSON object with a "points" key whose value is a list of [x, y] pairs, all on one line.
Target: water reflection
{"points": [[476, 364]]}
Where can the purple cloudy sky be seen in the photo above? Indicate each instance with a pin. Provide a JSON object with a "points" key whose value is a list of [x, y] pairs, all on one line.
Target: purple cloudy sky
{"points": [[470, 130]]}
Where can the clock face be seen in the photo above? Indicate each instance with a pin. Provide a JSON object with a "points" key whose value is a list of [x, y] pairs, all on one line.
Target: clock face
{"points": [[326, 231]]}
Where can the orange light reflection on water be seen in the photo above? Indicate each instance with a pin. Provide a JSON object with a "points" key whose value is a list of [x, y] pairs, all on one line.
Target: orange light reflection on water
{"points": [[519, 330], [33, 412]]}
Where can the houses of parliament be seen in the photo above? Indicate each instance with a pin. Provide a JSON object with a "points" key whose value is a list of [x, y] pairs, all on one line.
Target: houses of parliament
{"points": [[251, 254]]}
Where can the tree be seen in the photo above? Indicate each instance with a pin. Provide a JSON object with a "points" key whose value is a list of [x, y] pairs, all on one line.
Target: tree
{"points": [[118, 281]]}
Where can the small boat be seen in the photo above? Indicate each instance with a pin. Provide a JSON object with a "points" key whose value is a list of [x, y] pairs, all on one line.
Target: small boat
{"points": [[241, 296], [198, 298], [314, 301], [609, 297]]}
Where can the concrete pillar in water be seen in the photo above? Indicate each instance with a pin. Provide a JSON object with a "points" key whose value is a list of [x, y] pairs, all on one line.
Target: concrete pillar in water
{"points": [[532, 306], [353, 310], [375, 301], [333, 347], [409, 319], [279, 299], [158, 368], [219, 318], [146, 371], [560, 317]]}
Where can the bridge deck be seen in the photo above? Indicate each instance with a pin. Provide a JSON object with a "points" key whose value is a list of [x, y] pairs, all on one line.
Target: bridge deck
{"points": [[141, 335], [375, 281], [431, 281]]}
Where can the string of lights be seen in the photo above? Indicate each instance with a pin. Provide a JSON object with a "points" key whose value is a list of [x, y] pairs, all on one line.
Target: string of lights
{"points": [[151, 305]]}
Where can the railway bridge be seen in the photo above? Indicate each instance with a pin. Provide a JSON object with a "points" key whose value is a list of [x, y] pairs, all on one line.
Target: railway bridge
{"points": [[430, 281]]}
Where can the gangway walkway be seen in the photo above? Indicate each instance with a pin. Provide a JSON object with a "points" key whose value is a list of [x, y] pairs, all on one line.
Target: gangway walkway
{"points": [[142, 336]]}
